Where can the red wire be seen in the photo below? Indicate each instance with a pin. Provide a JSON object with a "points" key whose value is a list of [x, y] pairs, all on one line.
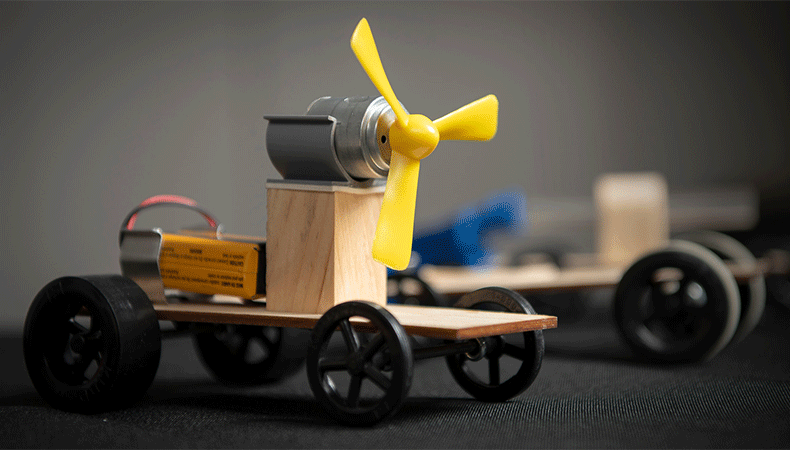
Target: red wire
{"points": [[171, 199], [168, 199]]}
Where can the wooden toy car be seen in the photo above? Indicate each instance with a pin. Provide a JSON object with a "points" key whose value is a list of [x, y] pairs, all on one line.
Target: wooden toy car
{"points": [[92, 343], [675, 300]]}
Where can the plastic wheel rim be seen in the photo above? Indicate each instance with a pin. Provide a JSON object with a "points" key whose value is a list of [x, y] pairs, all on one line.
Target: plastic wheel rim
{"points": [[385, 360], [531, 355], [752, 295], [713, 322], [242, 355], [94, 367]]}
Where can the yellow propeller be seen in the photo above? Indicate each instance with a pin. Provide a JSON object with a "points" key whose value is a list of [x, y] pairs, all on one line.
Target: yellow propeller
{"points": [[412, 137]]}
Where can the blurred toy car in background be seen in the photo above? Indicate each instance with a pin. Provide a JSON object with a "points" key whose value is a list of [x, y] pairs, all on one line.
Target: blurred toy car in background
{"points": [[680, 299]]}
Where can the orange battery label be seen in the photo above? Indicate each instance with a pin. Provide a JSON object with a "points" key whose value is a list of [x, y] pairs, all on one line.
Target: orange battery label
{"points": [[213, 253], [209, 281], [212, 266]]}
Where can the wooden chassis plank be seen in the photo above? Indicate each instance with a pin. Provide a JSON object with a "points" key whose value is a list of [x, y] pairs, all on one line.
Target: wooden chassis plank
{"points": [[539, 278], [532, 278], [454, 323], [439, 323]]}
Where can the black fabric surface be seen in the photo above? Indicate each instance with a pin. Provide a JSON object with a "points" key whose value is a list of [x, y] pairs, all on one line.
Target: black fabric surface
{"points": [[590, 393]]}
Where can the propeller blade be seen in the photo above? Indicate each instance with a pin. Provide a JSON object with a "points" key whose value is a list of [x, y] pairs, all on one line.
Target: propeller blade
{"points": [[476, 121], [395, 229], [365, 48]]}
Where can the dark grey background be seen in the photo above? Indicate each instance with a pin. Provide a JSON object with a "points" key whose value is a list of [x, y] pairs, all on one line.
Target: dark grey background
{"points": [[104, 104]]}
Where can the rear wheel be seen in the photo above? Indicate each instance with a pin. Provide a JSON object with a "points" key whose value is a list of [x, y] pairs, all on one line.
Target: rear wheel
{"points": [[248, 355], [410, 289], [753, 293], [679, 304], [509, 364], [91, 344]]}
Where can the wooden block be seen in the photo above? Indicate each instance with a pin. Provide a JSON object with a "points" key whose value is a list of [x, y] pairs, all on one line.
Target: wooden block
{"points": [[319, 248], [633, 215]]}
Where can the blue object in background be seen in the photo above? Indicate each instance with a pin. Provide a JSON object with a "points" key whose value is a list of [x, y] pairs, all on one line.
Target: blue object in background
{"points": [[463, 239]]}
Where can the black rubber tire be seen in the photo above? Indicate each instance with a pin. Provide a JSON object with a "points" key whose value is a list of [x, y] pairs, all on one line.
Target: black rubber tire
{"points": [[661, 323], [753, 294], [410, 289], [245, 355], [531, 355], [107, 365], [388, 351]]}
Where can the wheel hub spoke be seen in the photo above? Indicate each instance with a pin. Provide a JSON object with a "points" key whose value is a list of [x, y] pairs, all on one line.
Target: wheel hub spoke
{"points": [[82, 348], [239, 348], [356, 364], [493, 371], [75, 327], [333, 365], [266, 343], [370, 349], [684, 285], [663, 306], [377, 377], [349, 336], [354, 388], [513, 351], [94, 335], [80, 368], [77, 343]]}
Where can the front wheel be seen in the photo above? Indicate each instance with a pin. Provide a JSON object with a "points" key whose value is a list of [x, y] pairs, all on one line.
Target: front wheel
{"points": [[365, 376], [91, 344], [508, 364]]}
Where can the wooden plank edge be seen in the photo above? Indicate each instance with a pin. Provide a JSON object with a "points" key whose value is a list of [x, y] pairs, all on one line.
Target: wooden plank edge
{"points": [[546, 322], [257, 316], [568, 282], [234, 314]]}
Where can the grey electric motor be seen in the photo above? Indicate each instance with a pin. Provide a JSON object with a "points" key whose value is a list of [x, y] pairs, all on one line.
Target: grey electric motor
{"points": [[337, 140]]}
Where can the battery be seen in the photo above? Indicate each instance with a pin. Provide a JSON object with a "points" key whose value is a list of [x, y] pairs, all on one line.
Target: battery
{"points": [[231, 266]]}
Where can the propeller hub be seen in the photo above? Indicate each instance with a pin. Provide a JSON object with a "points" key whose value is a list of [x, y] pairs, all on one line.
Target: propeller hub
{"points": [[416, 139]]}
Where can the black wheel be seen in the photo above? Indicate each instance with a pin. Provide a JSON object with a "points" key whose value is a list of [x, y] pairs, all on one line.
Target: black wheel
{"points": [[359, 378], [510, 363], [410, 289], [91, 344], [679, 304], [753, 293], [247, 355]]}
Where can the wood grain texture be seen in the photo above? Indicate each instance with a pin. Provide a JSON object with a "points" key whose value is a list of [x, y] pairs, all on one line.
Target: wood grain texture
{"points": [[439, 323], [357, 274], [452, 323], [319, 249]]}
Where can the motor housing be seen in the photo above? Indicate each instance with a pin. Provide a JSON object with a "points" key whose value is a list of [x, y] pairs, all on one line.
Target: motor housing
{"points": [[337, 140]]}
